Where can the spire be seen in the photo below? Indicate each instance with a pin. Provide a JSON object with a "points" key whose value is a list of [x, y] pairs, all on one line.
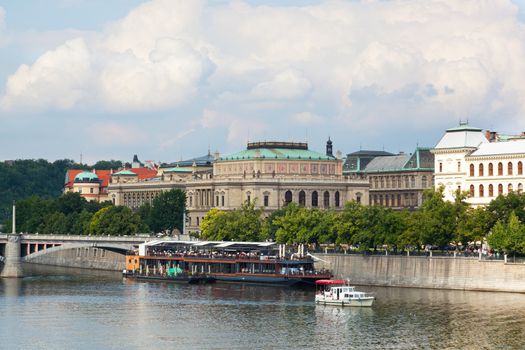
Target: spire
{"points": [[329, 150]]}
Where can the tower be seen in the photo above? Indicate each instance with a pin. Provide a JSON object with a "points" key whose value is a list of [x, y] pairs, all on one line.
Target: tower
{"points": [[329, 151], [12, 266]]}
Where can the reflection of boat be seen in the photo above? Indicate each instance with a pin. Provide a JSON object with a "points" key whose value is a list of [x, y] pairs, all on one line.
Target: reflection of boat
{"points": [[338, 292], [241, 262]]}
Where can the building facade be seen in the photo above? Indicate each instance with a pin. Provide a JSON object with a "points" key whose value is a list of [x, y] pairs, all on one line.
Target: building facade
{"points": [[272, 174], [396, 181], [466, 160]]}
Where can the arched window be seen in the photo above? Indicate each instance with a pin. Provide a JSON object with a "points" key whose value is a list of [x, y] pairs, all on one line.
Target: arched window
{"points": [[471, 169], [500, 188], [509, 188], [315, 201], [480, 169], [520, 188], [491, 169], [288, 197], [491, 190], [337, 200], [520, 168], [440, 167], [500, 169], [472, 190], [326, 199], [481, 191], [302, 198], [509, 168]]}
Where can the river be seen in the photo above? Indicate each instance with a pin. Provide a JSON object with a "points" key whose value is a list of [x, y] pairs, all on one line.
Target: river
{"points": [[61, 308]]}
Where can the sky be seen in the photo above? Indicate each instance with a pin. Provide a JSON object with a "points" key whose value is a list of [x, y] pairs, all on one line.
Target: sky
{"points": [[172, 79]]}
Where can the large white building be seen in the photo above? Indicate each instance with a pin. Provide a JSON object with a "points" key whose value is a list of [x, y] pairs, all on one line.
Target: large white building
{"points": [[465, 159]]}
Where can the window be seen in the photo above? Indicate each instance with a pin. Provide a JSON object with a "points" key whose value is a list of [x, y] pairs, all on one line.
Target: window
{"points": [[191, 200], [337, 199], [480, 169], [197, 221], [509, 168], [520, 168], [471, 190], [424, 181], [217, 201], [413, 181], [491, 190], [481, 191], [248, 198], [358, 198], [520, 188], [266, 200], [500, 169], [302, 198], [288, 197], [91, 190], [471, 169], [380, 199], [382, 182], [326, 199], [500, 188], [387, 202], [440, 167], [406, 181], [222, 200], [459, 167], [510, 188], [314, 199], [491, 169], [398, 200]]}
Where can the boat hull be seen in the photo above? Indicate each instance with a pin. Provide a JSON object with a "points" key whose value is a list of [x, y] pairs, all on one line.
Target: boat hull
{"points": [[366, 302], [174, 279], [264, 280]]}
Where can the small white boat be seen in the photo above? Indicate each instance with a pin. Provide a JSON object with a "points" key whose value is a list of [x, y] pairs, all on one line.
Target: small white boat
{"points": [[338, 292]]}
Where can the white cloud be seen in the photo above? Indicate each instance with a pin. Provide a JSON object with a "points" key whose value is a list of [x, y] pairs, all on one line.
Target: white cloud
{"points": [[363, 62], [306, 118]]}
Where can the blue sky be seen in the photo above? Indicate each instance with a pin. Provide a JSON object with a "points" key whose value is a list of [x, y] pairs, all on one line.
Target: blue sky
{"points": [[168, 79]]}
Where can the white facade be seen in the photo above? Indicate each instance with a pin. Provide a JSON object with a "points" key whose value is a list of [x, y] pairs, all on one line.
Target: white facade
{"points": [[466, 160]]}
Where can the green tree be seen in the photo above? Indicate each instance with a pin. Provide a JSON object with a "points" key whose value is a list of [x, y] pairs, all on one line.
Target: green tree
{"points": [[501, 208], [115, 221], [108, 164], [56, 223], [167, 211], [349, 222], [508, 236]]}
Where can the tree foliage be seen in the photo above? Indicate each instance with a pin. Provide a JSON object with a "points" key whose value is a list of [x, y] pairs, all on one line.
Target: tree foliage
{"points": [[167, 211]]}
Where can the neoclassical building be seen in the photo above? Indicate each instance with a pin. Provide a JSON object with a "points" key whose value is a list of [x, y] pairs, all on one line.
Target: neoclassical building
{"points": [[396, 181], [270, 173], [466, 160]]}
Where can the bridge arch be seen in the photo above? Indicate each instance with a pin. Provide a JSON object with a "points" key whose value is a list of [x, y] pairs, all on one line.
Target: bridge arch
{"points": [[114, 247]]}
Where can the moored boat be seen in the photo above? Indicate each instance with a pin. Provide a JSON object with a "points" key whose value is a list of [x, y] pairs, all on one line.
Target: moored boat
{"points": [[338, 292], [237, 262]]}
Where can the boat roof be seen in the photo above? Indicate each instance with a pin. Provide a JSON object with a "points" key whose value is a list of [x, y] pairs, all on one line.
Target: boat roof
{"points": [[211, 244], [330, 282]]}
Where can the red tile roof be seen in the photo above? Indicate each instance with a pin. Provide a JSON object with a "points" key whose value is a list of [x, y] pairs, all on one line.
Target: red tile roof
{"points": [[105, 175], [144, 173]]}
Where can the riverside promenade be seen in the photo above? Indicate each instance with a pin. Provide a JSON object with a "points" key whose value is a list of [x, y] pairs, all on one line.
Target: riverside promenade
{"points": [[436, 272]]}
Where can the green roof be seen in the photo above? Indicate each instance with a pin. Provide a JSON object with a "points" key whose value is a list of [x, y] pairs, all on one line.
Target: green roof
{"points": [[86, 175], [125, 173], [177, 170], [277, 153]]}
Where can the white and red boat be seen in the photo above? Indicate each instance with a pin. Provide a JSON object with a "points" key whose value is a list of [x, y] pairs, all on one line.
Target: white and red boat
{"points": [[338, 292]]}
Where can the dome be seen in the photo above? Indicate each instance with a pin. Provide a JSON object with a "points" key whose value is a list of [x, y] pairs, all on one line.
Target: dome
{"points": [[86, 176]]}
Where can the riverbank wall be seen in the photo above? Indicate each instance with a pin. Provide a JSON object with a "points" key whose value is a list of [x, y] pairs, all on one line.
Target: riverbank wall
{"points": [[426, 272], [85, 257]]}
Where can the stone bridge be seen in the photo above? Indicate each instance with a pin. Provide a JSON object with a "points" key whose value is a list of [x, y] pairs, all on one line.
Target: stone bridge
{"points": [[99, 252]]}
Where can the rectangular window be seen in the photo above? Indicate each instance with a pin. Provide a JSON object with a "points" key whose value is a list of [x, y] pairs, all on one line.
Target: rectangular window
{"points": [[222, 201], [266, 200]]}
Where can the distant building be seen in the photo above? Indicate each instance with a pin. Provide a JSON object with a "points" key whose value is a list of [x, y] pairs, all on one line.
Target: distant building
{"points": [[272, 173], [466, 160], [396, 181]]}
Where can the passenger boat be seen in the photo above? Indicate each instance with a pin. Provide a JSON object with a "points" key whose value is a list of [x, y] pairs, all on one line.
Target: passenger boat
{"points": [[338, 292], [237, 262]]}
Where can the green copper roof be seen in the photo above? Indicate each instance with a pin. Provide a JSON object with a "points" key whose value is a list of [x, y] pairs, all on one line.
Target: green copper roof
{"points": [[463, 127], [125, 173], [177, 170], [86, 175], [277, 153]]}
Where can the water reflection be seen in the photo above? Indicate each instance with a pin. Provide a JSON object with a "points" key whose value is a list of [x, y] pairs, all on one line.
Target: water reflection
{"points": [[69, 308]]}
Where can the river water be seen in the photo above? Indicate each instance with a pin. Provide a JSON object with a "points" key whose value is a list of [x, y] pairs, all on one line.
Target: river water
{"points": [[59, 308]]}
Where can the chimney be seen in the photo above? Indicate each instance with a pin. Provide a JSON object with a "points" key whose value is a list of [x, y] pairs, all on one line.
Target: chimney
{"points": [[487, 134]]}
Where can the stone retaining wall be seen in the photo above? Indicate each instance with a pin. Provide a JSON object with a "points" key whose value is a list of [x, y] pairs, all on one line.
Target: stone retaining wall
{"points": [[85, 257], [427, 272]]}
